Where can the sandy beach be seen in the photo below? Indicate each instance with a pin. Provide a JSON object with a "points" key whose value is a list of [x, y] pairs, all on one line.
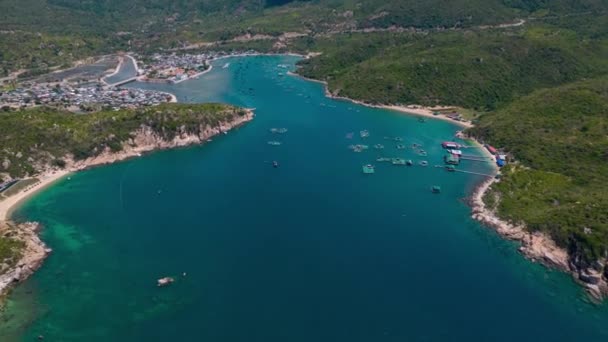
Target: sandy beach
{"points": [[46, 179], [409, 109]]}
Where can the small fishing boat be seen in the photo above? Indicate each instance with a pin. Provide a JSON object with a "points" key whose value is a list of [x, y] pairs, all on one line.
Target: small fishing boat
{"points": [[422, 153], [164, 281], [275, 164], [401, 147], [424, 163], [364, 133], [436, 189], [274, 143], [398, 139], [378, 146], [383, 159], [368, 169], [398, 161], [409, 162], [358, 147], [278, 130]]}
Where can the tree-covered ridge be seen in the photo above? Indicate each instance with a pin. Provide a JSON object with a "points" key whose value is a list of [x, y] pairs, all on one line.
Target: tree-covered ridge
{"points": [[479, 69], [560, 181], [101, 26], [33, 138]]}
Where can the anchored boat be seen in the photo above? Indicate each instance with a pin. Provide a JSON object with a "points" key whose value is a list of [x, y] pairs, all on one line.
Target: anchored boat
{"points": [[278, 130], [398, 161], [164, 281], [358, 147], [368, 169]]}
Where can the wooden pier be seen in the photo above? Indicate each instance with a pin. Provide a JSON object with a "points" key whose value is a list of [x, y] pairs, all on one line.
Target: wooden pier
{"points": [[469, 172], [476, 173], [474, 158]]}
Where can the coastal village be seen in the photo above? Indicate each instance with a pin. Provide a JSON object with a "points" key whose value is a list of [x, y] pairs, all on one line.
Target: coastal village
{"points": [[84, 99], [92, 92], [173, 68]]}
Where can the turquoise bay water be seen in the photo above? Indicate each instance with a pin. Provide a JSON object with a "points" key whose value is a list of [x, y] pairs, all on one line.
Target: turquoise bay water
{"points": [[311, 251]]}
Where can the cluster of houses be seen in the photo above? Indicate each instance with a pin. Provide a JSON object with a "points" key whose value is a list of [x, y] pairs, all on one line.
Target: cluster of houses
{"points": [[173, 68], [80, 98], [501, 158]]}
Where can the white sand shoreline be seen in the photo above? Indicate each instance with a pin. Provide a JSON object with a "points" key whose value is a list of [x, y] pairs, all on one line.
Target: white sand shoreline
{"points": [[10, 203]]}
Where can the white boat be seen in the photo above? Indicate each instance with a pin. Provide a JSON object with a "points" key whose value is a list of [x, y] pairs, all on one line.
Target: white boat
{"points": [[456, 152], [164, 281]]}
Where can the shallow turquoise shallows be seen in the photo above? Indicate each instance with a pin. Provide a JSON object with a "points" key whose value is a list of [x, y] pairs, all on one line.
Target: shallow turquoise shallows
{"points": [[313, 250]]}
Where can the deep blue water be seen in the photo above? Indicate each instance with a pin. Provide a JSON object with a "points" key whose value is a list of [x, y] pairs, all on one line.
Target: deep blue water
{"points": [[311, 251]]}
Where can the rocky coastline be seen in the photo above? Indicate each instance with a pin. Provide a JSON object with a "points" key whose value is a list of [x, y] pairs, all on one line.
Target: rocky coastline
{"points": [[33, 253], [538, 246], [143, 140], [535, 246]]}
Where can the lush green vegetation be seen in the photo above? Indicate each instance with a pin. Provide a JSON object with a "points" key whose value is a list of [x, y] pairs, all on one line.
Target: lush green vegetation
{"points": [[38, 53], [33, 138], [71, 29], [560, 183], [480, 69], [10, 248], [542, 86]]}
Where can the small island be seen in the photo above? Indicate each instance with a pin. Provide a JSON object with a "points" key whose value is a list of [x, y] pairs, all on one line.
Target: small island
{"points": [[42, 145]]}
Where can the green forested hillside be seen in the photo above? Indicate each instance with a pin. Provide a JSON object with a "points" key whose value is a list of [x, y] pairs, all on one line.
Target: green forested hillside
{"points": [[109, 25], [559, 137], [479, 69], [541, 86], [36, 137]]}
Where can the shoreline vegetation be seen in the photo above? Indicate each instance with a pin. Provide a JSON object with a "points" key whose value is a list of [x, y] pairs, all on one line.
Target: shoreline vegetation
{"points": [[29, 251]]}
